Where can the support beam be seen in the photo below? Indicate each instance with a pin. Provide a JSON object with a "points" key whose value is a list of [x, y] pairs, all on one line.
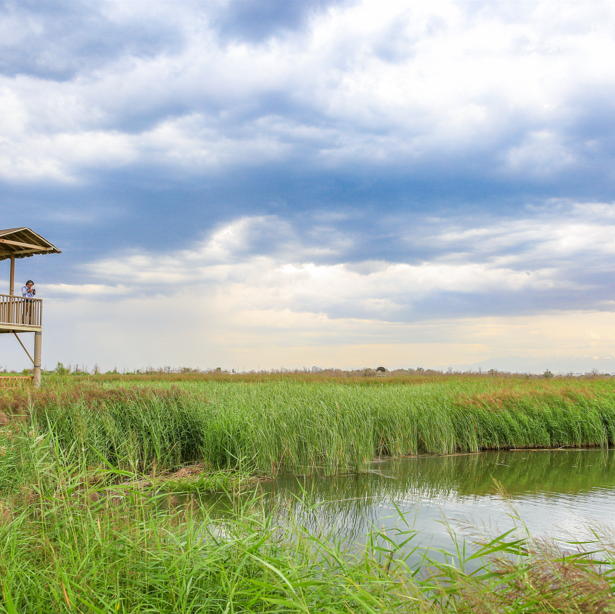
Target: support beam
{"points": [[12, 282], [38, 342], [20, 252], [22, 244], [28, 251], [24, 347]]}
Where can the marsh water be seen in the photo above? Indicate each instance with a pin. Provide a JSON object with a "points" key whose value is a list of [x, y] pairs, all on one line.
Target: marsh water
{"points": [[553, 493]]}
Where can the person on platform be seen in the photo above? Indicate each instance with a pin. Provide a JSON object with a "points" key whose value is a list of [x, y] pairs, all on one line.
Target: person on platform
{"points": [[28, 291]]}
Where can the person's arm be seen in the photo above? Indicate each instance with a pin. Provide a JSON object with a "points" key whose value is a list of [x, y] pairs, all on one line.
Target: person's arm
{"points": [[24, 291]]}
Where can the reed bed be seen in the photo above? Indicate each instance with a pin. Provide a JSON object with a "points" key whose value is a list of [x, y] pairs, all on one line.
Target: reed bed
{"points": [[74, 540], [306, 428], [141, 430], [330, 428], [83, 530]]}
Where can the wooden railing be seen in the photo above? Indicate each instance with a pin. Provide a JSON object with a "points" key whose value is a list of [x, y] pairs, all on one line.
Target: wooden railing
{"points": [[15, 381], [20, 311]]}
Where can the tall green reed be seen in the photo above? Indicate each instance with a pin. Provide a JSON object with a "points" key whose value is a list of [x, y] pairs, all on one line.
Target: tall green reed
{"points": [[132, 429], [75, 538], [331, 428], [73, 541], [314, 428]]}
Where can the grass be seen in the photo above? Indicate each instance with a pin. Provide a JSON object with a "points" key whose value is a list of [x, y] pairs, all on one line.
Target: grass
{"points": [[74, 539], [328, 428], [90, 518]]}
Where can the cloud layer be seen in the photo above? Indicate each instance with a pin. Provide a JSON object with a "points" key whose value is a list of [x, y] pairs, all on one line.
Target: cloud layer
{"points": [[336, 161], [526, 265], [506, 91]]}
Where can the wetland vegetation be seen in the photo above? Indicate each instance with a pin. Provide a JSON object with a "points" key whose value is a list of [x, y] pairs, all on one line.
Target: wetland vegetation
{"points": [[322, 426], [94, 515]]}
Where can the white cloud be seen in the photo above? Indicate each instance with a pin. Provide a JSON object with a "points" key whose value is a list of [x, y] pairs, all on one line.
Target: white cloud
{"points": [[542, 153], [81, 291], [494, 94], [209, 331], [29, 152], [222, 303], [547, 236], [263, 263], [370, 82]]}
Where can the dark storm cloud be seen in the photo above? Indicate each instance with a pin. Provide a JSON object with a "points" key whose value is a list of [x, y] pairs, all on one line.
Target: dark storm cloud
{"points": [[357, 153], [57, 40], [256, 21], [368, 141]]}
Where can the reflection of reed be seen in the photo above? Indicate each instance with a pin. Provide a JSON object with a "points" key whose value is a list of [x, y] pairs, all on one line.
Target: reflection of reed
{"points": [[347, 505], [526, 472]]}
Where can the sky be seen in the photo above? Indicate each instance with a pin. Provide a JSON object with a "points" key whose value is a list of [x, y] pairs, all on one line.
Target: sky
{"points": [[265, 184]]}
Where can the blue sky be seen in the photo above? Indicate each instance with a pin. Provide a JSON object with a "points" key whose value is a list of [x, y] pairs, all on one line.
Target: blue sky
{"points": [[279, 183]]}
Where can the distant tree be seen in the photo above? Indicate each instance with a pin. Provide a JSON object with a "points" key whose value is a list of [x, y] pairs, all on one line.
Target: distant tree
{"points": [[61, 369]]}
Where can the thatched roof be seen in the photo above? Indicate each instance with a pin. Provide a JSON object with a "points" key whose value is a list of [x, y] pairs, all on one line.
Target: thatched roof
{"points": [[23, 243]]}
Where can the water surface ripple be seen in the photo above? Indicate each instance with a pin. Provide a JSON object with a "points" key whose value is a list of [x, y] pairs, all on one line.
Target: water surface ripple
{"points": [[556, 493]]}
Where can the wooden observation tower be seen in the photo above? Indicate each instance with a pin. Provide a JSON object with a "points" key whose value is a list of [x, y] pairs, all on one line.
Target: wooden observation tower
{"points": [[19, 314]]}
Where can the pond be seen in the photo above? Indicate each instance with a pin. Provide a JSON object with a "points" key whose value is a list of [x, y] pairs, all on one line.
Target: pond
{"points": [[557, 493]]}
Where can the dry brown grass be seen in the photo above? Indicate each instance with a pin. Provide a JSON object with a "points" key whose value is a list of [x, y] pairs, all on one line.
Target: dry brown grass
{"points": [[552, 582], [16, 404], [510, 398]]}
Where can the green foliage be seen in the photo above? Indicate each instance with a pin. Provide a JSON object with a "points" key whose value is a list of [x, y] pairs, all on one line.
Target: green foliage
{"points": [[312, 428], [61, 369], [82, 529], [73, 539], [134, 430]]}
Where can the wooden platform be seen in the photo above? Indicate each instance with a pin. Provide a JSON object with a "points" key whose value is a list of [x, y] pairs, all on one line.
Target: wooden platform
{"points": [[18, 314], [22, 314]]}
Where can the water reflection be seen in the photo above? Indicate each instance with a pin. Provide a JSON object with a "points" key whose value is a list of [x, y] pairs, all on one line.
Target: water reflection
{"points": [[555, 493]]}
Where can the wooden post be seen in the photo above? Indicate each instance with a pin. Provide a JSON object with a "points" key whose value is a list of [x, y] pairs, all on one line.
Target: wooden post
{"points": [[25, 349], [12, 282], [11, 290], [38, 340]]}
